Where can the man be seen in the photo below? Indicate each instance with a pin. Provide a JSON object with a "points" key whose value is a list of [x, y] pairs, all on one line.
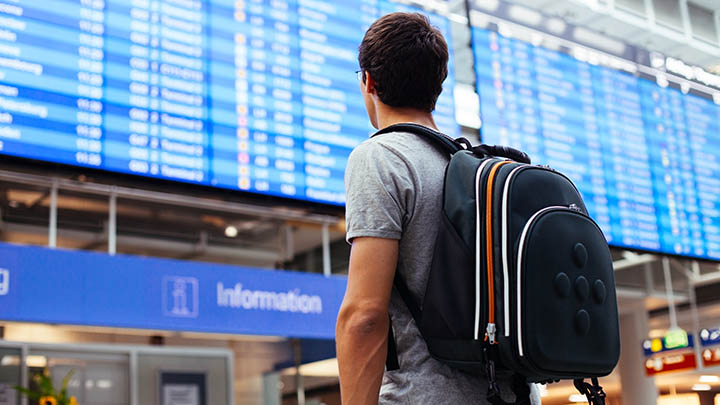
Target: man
{"points": [[394, 187]]}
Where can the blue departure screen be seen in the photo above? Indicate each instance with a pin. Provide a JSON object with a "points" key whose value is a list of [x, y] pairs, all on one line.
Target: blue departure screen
{"points": [[256, 95], [645, 157]]}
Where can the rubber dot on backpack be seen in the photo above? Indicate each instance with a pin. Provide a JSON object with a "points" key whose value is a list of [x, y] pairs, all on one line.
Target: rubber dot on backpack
{"points": [[599, 291], [580, 255], [582, 322], [582, 288], [562, 285]]}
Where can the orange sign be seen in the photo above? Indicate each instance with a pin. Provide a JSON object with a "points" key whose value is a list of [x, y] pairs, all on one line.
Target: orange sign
{"points": [[711, 357], [670, 362]]}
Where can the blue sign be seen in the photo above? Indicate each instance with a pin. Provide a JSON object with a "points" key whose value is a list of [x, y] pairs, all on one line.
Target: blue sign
{"points": [[659, 345], [644, 155], [244, 95], [708, 337], [38, 284]]}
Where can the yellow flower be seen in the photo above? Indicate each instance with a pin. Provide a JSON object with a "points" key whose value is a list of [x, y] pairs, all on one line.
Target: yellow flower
{"points": [[73, 401], [48, 401]]}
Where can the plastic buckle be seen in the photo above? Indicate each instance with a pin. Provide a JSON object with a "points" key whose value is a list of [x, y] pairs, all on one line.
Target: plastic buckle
{"points": [[593, 392], [464, 143]]}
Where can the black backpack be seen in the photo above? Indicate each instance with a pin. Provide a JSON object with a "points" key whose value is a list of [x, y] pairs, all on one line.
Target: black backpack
{"points": [[522, 279]]}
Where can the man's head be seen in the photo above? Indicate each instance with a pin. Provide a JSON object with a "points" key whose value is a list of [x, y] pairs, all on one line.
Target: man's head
{"points": [[403, 60]]}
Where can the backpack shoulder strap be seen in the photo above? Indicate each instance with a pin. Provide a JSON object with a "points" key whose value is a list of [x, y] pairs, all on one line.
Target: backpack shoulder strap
{"points": [[441, 140], [448, 145], [392, 362], [452, 146]]}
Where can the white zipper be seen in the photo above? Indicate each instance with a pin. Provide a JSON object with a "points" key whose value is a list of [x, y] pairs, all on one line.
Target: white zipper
{"points": [[518, 293], [506, 276], [477, 246]]}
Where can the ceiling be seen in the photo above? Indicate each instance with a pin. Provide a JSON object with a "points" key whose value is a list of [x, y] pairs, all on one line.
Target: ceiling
{"points": [[633, 28], [708, 4]]}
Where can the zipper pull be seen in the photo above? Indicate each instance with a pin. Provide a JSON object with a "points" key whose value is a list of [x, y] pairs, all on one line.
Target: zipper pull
{"points": [[491, 330], [574, 207]]}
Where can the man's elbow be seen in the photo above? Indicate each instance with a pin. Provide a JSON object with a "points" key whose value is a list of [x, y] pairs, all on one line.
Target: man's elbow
{"points": [[362, 322]]}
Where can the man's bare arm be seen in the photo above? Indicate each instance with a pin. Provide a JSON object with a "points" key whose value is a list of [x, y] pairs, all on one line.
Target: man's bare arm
{"points": [[363, 322]]}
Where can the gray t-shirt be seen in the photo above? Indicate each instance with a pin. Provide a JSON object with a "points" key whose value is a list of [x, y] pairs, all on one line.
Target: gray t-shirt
{"points": [[394, 187]]}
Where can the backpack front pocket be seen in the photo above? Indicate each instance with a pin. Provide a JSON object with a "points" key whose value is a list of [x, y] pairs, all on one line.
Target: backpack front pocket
{"points": [[565, 309]]}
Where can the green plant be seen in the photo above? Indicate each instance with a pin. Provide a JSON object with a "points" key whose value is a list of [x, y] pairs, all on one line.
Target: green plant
{"points": [[45, 393]]}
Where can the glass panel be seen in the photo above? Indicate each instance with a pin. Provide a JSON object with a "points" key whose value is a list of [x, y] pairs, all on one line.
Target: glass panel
{"points": [[161, 374], [667, 12], [634, 6], [703, 26], [98, 379], [9, 375]]}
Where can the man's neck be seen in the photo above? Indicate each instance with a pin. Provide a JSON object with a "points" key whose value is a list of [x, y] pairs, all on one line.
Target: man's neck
{"points": [[390, 116]]}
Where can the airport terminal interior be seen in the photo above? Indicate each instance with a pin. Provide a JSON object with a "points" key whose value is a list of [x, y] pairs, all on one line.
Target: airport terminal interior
{"points": [[164, 163]]}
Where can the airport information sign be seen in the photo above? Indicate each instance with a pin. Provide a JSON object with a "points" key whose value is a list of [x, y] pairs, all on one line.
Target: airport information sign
{"points": [[88, 288], [646, 157], [248, 95]]}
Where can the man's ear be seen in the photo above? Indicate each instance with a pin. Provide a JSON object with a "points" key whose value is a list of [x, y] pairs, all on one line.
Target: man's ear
{"points": [[369, 83]]}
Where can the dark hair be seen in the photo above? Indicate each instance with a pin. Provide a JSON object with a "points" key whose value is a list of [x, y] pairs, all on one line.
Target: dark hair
{"points": [[407, 58]]}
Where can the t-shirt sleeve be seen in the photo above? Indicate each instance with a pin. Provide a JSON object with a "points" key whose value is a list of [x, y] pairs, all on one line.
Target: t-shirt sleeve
{"points": [[379, 190]]}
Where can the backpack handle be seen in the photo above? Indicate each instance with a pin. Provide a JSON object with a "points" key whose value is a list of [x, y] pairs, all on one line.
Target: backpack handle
{"points": [[503, 151], [452, 146]]}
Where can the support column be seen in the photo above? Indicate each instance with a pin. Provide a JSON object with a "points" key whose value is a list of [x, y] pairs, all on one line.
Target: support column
{"points": [[637, 388], [112, 224], [272, 394], [24, 372], [327, 266], [299, 382], [695, 271], [134, 379], [52, 227]]}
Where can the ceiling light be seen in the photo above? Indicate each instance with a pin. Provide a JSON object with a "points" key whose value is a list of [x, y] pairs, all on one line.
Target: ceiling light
{"points": [[478, 19], [657, 333], [536, 38], [657, 60], [322, 368], [104, 384], [231, 231], [36, 361], [525, 15], [701, 387], [458, 18], [505, 30], [489, 5], [10, 361], [468, 106], [593, 4], [556, 25], [709, 379]]}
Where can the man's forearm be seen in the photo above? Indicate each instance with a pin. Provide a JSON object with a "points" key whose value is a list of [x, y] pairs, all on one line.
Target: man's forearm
{"points": [[362, 350], [363, 321]]}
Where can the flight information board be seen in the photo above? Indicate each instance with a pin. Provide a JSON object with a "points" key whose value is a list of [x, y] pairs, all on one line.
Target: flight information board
{"points": [[256, 95], [645, 157]]}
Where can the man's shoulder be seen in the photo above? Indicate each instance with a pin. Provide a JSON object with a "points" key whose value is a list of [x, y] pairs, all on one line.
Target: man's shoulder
{"points": [[399, 139], [404, 145]]}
